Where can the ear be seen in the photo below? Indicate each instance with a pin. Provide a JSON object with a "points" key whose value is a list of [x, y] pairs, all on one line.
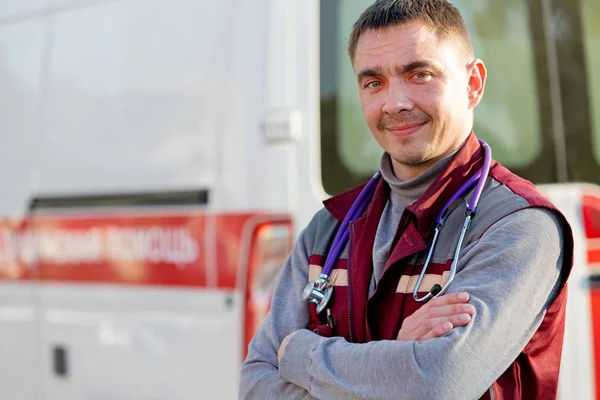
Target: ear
{"points": [[477, 76]]}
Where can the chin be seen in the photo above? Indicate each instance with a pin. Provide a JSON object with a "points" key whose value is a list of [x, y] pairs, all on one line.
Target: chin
{"points": [[410, 159], [418, 156]]}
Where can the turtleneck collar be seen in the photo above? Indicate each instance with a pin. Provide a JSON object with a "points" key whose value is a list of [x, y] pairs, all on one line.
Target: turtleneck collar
{"points": [[409, 191]]}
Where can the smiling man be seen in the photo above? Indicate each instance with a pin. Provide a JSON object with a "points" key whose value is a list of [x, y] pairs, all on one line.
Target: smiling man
{"points": [[497, 332]]}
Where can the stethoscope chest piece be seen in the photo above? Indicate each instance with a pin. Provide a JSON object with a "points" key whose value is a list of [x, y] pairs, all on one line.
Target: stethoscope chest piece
{"points": [[318, 293]]}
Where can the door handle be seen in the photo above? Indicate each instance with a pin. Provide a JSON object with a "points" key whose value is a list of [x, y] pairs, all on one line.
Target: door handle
{"points": [[60, 361]]}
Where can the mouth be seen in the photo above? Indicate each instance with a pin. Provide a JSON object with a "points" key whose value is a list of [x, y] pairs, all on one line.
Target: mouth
{"points": [[404, 130]]}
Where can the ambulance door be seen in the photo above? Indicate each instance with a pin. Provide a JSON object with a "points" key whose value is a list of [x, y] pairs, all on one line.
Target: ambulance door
{"points": [[127, 162]]}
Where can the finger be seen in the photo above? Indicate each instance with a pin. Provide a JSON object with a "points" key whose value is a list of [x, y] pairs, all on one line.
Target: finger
{"points": [[442, 327], [433, 325], [450, 298], [438, 331], [445, 300], [452, 309], [427, 326], [446, 311]]}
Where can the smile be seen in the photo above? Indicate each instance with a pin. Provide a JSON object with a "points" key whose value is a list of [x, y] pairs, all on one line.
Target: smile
{"points": [[404, 130]]}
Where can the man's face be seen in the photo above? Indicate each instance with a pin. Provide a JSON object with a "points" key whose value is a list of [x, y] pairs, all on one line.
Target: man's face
{"points": [[417, 93]]}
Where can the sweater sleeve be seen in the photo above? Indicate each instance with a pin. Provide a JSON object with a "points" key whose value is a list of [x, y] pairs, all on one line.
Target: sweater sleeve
{"points": [[512, 275], [259, 377]]}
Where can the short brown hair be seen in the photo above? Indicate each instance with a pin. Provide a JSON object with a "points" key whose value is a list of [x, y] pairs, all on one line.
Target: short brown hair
{"points": [[439, 14]]}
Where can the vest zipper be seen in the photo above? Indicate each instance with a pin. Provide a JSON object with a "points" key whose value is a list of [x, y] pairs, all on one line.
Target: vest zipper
{"points": [[400, 227], [349, 270], [492, 393]]}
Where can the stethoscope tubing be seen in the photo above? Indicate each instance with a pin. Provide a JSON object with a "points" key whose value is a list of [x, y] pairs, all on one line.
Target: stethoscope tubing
{"points": [[319, 292], [343, 232], [481, 178]]}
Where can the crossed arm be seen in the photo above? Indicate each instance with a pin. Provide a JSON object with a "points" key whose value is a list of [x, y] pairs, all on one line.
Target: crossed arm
{"points": [[510, 281]]}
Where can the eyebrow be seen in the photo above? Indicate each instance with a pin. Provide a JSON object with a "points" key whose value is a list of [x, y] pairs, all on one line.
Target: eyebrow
{"points": [[418, 65], [369, 72], [373, 72]]}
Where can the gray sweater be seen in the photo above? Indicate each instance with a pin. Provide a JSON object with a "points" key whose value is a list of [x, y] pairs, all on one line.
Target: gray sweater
{"points": [[511, 275]]}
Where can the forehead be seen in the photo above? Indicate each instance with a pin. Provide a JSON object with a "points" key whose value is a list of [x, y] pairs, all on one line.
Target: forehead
{"points": [[403, 44]]}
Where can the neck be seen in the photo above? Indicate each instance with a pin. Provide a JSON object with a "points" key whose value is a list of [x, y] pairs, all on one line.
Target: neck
{"points": [[405, 173]]}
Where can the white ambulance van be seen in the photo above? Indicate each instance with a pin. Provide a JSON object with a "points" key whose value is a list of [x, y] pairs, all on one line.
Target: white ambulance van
{"points": [[158, 158]]}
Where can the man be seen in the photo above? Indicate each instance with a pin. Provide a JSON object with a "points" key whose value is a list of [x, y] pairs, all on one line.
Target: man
{"points": [[497, 332]]}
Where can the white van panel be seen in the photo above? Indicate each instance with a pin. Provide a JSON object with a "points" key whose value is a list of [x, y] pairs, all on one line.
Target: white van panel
{"points": [[125, 343], [19, 342], [131, 97], [254, 174], [10, 10], [21, 51]]}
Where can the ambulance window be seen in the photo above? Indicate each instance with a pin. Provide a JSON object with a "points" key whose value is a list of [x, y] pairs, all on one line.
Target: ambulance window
{"points": [[591, 30], [508, 118], [577, 39]]}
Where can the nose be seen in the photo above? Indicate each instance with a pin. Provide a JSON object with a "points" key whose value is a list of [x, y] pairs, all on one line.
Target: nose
{"points": [[397, 99]]}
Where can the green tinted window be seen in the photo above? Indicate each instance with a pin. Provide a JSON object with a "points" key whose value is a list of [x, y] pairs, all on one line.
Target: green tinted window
{"points": [[508, 117], [591, 32]]}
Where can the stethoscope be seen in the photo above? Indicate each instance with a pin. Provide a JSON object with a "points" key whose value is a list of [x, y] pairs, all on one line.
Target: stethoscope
{"points": [[319, 292]]}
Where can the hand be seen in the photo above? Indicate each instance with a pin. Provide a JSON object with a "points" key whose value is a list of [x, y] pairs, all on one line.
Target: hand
{"points": [[437, 317], [284, 344]]}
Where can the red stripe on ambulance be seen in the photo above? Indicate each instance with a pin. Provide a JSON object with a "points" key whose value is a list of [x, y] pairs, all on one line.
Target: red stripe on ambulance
{"points": [[222, 251], [139, 250]]}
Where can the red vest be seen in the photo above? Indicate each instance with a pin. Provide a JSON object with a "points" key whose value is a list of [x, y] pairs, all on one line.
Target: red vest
{"points": [[360, 319]]}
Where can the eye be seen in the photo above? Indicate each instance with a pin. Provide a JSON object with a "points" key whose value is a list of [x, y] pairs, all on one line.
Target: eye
{"points": [[373, 84], [422, 76]]}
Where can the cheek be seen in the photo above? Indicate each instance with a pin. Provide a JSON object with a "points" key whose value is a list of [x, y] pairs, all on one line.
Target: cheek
{"points": [[439, 102], [371, 109], [457, 97], [427, 98]]}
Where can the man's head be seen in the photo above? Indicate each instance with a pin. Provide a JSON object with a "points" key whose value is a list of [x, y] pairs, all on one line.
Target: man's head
{"points": [[418, 81]]}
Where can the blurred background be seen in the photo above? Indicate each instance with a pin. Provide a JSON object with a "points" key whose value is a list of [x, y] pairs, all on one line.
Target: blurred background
{"points": [[158, 158]]}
